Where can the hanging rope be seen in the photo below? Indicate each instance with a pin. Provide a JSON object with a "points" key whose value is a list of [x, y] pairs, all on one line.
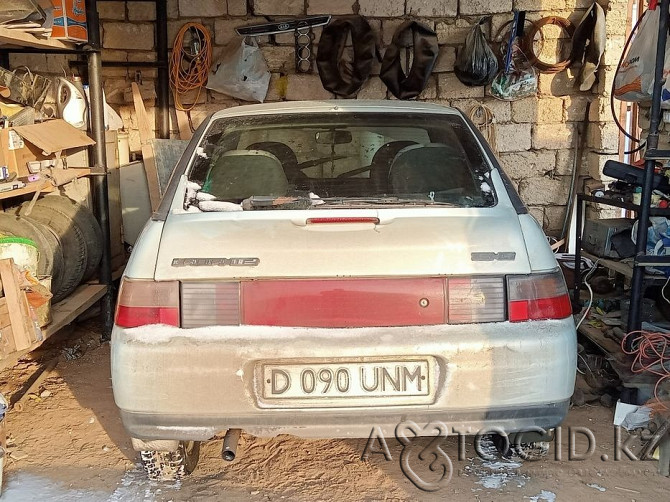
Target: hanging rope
{"points": [[190, 62], [482, 117]]}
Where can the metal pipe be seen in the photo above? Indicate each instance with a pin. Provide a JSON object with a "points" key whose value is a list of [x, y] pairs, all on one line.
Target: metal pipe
{"points": [[163, 82], [230, 441], [99, 158], [634, 323]]}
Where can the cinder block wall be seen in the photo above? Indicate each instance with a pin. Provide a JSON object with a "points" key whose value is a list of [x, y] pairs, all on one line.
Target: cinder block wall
{"points": [[535, 136]]}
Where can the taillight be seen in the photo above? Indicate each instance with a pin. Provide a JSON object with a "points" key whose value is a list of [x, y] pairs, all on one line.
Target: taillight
{"points": [[537, 296], [143, 302], [475, 299]]}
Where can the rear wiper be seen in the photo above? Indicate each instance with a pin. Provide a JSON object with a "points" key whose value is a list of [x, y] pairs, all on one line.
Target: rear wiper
{"points": [[391, 201], [279, 202]]}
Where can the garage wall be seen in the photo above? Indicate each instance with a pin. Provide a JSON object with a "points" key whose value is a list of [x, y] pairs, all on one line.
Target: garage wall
{"points": [[535, 136]]}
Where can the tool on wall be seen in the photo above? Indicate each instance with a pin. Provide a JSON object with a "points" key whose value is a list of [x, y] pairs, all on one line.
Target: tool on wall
{"points": [[304, 37]]}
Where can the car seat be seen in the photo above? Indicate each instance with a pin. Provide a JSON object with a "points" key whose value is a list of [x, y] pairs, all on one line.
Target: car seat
{"points": [[239, 174], [286, 156], [381, 164]]}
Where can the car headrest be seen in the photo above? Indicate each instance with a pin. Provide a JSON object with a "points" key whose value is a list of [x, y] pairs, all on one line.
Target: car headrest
{"points": [[433, 167], [239, 174]]}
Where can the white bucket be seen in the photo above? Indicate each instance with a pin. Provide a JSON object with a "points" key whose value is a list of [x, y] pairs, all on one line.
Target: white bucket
{"points": [[23, 251]]}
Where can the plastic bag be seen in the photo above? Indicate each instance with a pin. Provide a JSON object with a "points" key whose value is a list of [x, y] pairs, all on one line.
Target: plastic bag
{"points": [[518, 80], [243, 74], [634, 80], [476, 64]]}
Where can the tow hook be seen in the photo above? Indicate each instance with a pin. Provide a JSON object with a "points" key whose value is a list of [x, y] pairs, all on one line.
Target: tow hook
{"points": [[230, 441]]}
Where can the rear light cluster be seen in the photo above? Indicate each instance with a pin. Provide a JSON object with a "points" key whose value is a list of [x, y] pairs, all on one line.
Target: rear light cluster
{"points": [[344, 302]]}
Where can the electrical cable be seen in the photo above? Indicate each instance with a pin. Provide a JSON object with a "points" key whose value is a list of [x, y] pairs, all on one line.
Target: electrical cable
{"points": [[588, 286], [652, 355], [528, 41], [484, 119], [663, 289], [612, 110], [190, 63]]}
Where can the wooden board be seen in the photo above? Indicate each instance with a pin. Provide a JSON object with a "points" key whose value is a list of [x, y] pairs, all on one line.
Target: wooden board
{"points": [[39, 185], [16, 305], [22, 39], [146, 133], [66, 311]]}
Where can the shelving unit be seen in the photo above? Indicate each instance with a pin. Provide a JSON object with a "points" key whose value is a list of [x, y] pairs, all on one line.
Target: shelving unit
{"points": [[63, 313], [41, 186], [644, 209]]}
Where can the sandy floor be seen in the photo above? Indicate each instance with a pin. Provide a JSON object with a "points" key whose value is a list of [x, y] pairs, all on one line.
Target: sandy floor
{"points": [[70, 445]]}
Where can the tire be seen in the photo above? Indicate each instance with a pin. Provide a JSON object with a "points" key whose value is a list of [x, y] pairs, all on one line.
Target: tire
{"points": [[171, 465], [73, 245], [87, 223], [51, 257]]}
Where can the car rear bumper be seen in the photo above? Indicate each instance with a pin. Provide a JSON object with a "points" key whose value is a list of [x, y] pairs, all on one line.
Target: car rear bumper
{"points": [[173, 383]]}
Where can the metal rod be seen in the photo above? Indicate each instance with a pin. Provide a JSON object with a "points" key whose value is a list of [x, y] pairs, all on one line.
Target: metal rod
{"points": [[230, 441], [100, 164], [128, 64], [634, 323], [579, 215], [163, 82]]}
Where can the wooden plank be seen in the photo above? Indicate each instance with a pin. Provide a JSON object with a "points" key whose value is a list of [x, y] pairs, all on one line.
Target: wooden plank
{"points": [[185, 132], [22, 39], [146, 134], [63, 313], [22, 338], [39, 185]]}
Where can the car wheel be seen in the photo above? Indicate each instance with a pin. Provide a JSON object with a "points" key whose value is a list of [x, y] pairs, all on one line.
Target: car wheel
{"points": [[171, 465]]}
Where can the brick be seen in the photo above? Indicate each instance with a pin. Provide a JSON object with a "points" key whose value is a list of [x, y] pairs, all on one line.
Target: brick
{"points": [[277, 87], [330, 7], [141, 11], [603, 137], [373, 89], [430, 92], [605, 80], [565, 160], [279, 58], [237, 7], [557, 84], [535, 5], [513, 137], [475, 7], [224, 31], [552, 136], [575, 108], [537, 212], [449, 87], [595, 164], [520, 165], [599, 111], [540, 111], [389, 26], [283, 8], [113, 55], [381, 8], [172, 8], [128, 36], [114, 90], [202, 8], [553, 218], [432, 8], [201, 112], [300, 86], [545, 190], [173, 28], [445, 60], [613, 49], [115, 11], [452, 33], [502, 110]]}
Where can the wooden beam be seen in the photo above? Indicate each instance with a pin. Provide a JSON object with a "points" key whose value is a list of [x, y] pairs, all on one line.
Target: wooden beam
{"points": [[15, 305], [146, 133], [20, 38]]}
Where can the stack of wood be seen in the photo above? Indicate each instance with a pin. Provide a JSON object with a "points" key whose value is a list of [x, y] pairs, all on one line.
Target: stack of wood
{"points": [[19, 326]]}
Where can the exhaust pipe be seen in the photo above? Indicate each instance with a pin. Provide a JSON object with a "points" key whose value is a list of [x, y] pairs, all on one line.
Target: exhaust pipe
{"points": [[230, 441]]}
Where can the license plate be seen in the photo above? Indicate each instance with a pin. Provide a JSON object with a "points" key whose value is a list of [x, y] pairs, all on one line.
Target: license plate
{"points": [[346, 383]]}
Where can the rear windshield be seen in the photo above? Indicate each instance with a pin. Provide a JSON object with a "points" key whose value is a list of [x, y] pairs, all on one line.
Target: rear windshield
{"points": [[288, 161]]}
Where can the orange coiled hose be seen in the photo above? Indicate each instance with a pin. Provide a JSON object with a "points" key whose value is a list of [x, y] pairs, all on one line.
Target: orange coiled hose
{"points": [[189, 69], [652, 355]]}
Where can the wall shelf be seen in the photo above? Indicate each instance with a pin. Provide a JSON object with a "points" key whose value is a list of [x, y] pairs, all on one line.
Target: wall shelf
{"points": [[34, 186], [18, 38]]}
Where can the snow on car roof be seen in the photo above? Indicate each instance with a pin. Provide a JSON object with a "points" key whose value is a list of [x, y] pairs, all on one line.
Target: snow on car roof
{"points": [[340, 105]]}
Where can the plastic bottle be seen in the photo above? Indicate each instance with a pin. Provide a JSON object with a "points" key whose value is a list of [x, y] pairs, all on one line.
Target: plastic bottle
{"points": [[71, 102]]}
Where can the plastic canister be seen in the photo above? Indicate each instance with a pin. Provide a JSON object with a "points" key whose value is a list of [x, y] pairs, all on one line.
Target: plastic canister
{"points": [[23, 251], [122, 139], [71, 102]]}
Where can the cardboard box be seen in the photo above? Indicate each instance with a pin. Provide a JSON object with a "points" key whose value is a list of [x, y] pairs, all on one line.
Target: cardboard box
{"points": [[43, 141], [70, 20]]}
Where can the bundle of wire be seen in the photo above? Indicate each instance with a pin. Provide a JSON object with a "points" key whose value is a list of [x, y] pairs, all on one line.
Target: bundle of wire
{"points": [[652, 355], [190, 62]]}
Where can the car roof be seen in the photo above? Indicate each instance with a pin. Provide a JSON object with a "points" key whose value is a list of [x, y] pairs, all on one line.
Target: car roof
{"points": [[336, 106]]}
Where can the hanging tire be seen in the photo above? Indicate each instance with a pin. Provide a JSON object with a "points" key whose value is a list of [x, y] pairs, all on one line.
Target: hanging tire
{"points": [[73, 245], [87, 223], [171, 465]]}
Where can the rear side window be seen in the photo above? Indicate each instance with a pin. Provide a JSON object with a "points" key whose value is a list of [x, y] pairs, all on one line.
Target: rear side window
{"points": [[344, 159]]}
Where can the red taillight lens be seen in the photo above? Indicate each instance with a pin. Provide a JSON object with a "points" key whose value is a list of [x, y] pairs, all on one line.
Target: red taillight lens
{"points": [[537, 296], [143, 302]]}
